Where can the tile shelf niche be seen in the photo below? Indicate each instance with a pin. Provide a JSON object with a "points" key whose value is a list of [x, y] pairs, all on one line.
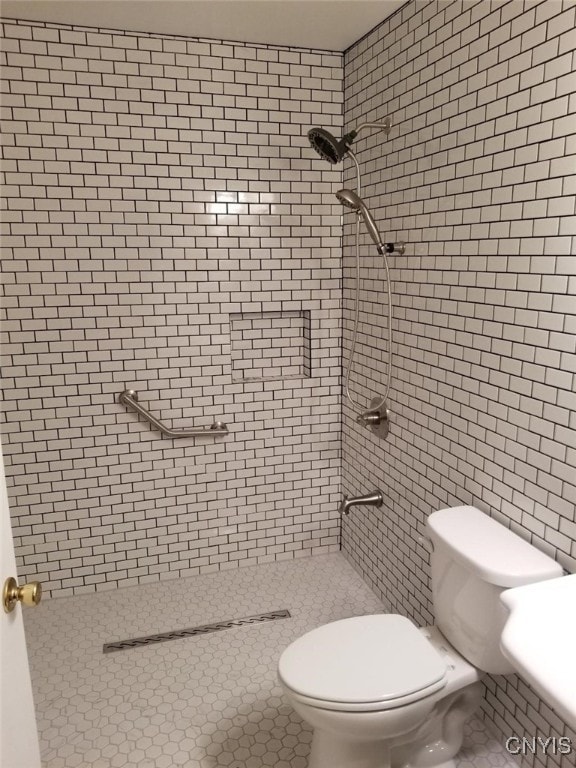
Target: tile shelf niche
{"points": [[270, 345]]}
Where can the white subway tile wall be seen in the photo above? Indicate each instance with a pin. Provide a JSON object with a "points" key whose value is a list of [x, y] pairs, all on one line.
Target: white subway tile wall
{"points": [[154, 187], [270, 345], [479, 177]]}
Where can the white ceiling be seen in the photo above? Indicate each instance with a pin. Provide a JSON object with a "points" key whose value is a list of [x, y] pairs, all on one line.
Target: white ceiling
{"points": [[326, 24]]}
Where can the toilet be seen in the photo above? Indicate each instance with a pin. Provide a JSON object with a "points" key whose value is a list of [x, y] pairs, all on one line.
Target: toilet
{"points": [[382, 693]]}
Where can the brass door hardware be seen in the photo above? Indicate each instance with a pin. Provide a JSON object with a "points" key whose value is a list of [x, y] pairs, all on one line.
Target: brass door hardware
{"points": [[28, 594]]}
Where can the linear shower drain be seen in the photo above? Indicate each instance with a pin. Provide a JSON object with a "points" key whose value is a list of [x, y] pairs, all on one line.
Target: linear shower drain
{"points": [[204, 629]]}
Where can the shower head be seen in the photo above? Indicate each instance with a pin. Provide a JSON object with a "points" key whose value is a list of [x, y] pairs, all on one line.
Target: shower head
{"points": [[334, 150], [352, 200], [328, 146]]}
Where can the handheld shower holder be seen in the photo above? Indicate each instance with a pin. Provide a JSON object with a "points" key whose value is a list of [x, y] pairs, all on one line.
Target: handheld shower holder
{"points": [[395, 248]]}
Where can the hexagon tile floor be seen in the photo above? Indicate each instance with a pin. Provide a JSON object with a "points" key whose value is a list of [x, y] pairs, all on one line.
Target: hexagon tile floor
{"points": [[200, 702]]}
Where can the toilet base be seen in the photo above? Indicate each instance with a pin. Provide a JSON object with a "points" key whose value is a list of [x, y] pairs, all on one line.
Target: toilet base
{"points": [[328, 752], [331, 752], [449, 764], [431, 744]]}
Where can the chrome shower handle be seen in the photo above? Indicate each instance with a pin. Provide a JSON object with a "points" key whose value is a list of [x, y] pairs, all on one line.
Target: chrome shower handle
{"points": [[369, 418]]}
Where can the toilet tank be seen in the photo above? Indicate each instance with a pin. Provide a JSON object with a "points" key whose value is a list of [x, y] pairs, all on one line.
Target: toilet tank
{"points": [[474, 560]]}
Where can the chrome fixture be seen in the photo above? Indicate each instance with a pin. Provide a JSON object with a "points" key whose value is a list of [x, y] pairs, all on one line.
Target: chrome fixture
{"points": [[374, 499], [395, 248], [351, 200], [376, 418], [129, 398], [354, 202], [334, 150]]}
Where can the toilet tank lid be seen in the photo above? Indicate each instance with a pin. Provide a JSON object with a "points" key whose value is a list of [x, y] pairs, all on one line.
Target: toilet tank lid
{"points": [[489, 549]]}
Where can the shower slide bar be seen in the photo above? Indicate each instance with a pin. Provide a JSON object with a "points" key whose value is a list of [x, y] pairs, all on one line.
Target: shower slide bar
{"points": [[129, 398]]}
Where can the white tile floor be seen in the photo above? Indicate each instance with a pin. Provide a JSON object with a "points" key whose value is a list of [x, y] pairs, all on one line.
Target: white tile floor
{"points": [[201, 702]]}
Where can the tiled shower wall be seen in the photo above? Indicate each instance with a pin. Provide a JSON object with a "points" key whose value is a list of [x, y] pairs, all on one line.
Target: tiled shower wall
{"points": [[154, 189], [479, 177]]}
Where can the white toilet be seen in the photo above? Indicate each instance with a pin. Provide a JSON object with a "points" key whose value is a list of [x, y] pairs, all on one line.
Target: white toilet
{"points": [[381, 693]]}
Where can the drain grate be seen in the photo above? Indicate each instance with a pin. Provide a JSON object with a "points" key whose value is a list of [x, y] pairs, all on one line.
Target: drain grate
{"points": [[136, 642]]}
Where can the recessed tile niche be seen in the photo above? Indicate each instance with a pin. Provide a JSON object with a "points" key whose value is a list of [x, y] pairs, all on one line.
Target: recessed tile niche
{"points": [[270, 345]]}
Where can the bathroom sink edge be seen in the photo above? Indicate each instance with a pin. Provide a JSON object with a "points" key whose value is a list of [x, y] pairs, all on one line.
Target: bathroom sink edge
{"points": [[539, 639]]}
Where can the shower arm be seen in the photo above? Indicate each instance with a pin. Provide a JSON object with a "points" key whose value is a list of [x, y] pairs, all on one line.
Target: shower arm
{"points": [[385, 126]]}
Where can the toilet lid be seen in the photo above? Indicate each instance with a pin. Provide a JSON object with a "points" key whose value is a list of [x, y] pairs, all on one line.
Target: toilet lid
{"points": [[364, 659]]}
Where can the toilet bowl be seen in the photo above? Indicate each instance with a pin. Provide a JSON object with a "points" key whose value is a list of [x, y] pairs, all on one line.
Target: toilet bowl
{"points": [[375, 710], [381, 693]]}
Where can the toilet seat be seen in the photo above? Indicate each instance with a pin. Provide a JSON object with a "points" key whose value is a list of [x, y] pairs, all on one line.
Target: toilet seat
{"points": [[366, 663]]}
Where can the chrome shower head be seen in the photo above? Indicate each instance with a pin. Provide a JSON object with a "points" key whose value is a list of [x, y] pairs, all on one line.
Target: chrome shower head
{"points": [[334, 150], [328, 146], [352, 200]]}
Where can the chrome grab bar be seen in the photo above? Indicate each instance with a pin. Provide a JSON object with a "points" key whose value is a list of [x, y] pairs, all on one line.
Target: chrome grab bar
{"points": [[129, 398]]}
